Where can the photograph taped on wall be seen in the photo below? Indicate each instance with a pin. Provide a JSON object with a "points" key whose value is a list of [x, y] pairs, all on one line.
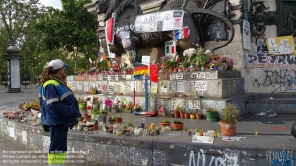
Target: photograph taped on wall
{"points": [[281, 45]]}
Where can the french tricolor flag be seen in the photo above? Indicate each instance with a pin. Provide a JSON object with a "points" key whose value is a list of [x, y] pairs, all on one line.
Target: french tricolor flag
{"points": [[181, 33]]}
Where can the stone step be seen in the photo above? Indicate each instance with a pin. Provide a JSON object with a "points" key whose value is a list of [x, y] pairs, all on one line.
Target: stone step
{"points": [[278, 103]]}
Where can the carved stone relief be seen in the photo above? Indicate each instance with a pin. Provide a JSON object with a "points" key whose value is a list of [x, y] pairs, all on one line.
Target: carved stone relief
{"points": [[286, 17]]}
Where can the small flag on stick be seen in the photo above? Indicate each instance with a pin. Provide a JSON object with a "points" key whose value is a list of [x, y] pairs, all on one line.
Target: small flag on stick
{"points": [[141, 69]]}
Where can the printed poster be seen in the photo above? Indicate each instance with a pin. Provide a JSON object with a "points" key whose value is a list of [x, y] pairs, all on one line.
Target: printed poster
{"points": [[99, 86], [246, 35], [179, 76], [159, 21], [74, 85], [104, 86], [172, 76], [190, 83], [201, 75], [122, 88], [111, 89], [153, 87], [164, 86], [92, 85], [170, 48], [180, 86], [85, 86], [281, 45]]}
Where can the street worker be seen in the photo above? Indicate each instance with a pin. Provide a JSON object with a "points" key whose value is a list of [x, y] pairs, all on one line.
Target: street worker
{"points": [[59, 108]]}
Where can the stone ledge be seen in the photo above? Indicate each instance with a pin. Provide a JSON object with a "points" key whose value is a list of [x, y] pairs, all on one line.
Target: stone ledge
{"points": [[108, 149]]}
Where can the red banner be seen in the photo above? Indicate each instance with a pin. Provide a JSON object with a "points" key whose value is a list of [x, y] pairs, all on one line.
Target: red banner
{"points": [[109, 31], [153, 73]]}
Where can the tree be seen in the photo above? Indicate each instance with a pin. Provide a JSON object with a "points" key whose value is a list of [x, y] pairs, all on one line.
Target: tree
{"points": [[15, 16], [73, 29]]}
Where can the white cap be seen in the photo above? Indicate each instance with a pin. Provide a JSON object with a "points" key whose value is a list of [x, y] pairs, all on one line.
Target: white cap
{"points": [[57, 64]]}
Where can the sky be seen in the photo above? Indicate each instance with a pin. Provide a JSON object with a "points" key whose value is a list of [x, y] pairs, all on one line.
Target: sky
{"points": [[53, 3]]}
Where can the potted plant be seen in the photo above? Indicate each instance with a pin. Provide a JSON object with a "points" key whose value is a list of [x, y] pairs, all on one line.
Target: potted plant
{"points": [[102, 65], [178, 125], [76, 71], [186, 114], [176, 112], [199, 58], [186, 65], [198, 114], [82, 71], [118, 119], [165, 122], [102, 116], [169, 64], [228, 120], [211, 114]]}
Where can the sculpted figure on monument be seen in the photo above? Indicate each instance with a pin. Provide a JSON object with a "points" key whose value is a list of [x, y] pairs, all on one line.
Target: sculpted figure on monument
{"points": [[127, 28]]}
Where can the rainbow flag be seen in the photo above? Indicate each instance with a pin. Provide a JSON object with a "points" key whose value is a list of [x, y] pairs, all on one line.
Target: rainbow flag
{"points": [[141, 69]]}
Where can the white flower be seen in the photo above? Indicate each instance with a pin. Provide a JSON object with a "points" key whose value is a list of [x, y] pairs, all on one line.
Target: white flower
{"points": [[209, 53], [189, 51]]}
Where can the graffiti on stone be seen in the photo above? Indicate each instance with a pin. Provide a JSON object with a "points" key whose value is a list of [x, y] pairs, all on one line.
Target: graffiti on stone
{"points": [[280, 157], [228, 158], [283, 80], [263, 58]]}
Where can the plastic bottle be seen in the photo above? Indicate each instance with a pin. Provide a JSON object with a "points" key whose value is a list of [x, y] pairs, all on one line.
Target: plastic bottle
{"points": [[96, 125]]}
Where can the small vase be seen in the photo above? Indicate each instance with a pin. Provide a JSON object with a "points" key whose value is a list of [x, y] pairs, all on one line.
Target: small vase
{"points": [[176, 114], [118, 120], [198, 116], [212, 116], [192, 116], [186, 115], [229, 67]]}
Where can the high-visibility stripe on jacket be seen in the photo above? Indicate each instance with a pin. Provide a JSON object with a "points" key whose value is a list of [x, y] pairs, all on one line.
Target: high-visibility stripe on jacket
{"points": [[58, 104]]}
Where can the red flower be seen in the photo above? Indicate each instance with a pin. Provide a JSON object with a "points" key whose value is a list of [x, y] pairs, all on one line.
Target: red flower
{"points": [[88, 107]]}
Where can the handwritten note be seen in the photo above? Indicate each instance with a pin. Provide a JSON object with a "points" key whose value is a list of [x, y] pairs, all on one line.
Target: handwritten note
{"points": [[201, 85]]}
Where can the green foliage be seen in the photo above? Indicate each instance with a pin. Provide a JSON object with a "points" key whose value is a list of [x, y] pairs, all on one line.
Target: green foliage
{"points": [[166, 120], [178, 122], [73, 29], [229, 114], [211, 109], [186, 64], [169, 63], [102, 65], [201, 59]]}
